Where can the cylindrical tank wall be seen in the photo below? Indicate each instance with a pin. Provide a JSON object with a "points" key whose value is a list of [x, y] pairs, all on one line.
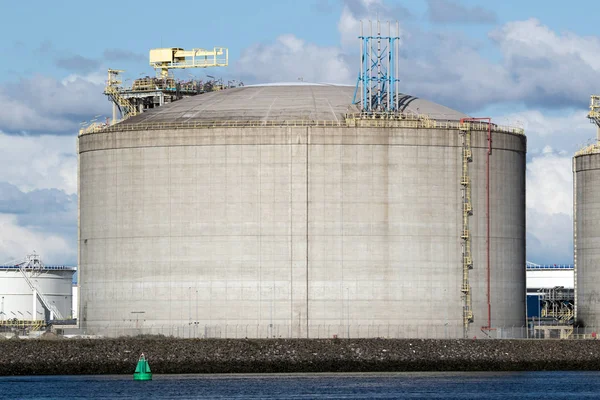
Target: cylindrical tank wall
{"points": [[587, 240], [17, 298], [315, 231]]}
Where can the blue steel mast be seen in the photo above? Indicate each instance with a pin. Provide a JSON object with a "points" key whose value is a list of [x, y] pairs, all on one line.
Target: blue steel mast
{"points": [[377, 83]]}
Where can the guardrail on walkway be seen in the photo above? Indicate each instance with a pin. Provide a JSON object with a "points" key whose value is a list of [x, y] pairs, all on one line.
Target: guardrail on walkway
{"points": [[591, 149], [409, 121]]}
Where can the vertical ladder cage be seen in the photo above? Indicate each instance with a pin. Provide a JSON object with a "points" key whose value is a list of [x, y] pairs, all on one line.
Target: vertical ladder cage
{"points": [[467, 212]]}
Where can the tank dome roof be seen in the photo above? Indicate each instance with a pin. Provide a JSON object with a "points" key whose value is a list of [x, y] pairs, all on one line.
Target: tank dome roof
{"points": [[279, 102]]}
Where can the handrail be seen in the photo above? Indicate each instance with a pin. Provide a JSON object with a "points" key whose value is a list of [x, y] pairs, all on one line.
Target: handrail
{"points": [[549, 267], [352, 120], [591, 149], [44, 268]]}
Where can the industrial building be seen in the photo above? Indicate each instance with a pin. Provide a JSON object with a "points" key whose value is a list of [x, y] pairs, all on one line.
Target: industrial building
{"points": [[34, 294], [586, 230], [303, 210], [550, 300]]}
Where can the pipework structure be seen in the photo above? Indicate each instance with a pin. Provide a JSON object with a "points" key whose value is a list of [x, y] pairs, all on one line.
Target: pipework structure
{"points": [[114, 91], [550, 300], [594, 117], [152, 92], [377, 84], [594, 114]]}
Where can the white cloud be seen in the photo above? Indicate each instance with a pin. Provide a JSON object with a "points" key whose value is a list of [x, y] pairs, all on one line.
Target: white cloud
{"points": [[17, 241], [349, 28], [39, 162], [532, 39], [550, 184], [42, 103], [550, 208], [566, 131], [546, 67], [537, 67], [291, 58], [96, 78]]}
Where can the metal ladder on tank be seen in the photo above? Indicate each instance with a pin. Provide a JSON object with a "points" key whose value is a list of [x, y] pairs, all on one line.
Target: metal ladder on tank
{"points": [[51, 307], [467, 211]]}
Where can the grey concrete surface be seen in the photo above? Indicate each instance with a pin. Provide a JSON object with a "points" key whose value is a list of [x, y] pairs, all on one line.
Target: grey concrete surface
{"points": [[343, 230], [587, 241]]}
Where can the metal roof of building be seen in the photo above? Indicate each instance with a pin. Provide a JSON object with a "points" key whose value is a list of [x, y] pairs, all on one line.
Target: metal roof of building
{"points": [[283, 102]]}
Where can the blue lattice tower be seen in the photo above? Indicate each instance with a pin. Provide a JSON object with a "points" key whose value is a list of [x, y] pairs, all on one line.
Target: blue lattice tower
{"points": [[377, 84]]}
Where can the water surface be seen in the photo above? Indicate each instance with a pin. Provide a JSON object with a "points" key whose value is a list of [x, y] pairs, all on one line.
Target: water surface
{"points": [[459, 385]]}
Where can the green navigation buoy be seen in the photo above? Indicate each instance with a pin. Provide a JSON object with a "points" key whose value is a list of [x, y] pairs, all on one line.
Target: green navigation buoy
{"points": [[142, 370]]}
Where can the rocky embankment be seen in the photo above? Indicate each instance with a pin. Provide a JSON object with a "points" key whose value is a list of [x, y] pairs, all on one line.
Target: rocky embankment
{"points": [[179, 356]]}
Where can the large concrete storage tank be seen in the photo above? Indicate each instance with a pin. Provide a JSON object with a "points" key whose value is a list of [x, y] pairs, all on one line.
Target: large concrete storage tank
{"points": [[586, 170], [262, 211]]}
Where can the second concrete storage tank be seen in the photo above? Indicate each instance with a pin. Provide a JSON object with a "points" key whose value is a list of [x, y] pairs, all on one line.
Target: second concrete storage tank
{"points": [[272, 211], [586, 170]]}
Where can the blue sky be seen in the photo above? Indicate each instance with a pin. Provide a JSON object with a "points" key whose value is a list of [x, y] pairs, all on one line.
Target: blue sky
{"points": [[532, 64]]}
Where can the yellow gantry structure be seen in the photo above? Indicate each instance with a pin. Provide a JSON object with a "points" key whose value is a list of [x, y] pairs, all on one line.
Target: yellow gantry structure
{"points": [[112, 90], [164, 59], [594, 113], [467, 211], [594, 116]]}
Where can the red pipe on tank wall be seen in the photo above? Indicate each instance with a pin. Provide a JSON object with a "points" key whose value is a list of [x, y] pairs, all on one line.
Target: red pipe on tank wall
{"points": [[487, 207], [487, 213]]}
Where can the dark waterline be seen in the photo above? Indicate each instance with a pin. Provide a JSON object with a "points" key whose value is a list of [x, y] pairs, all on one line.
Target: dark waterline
{"points": [[460, 385]]}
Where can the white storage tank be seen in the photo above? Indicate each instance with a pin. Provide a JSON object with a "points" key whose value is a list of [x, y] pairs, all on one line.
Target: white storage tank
{"points": [[32, 291]]}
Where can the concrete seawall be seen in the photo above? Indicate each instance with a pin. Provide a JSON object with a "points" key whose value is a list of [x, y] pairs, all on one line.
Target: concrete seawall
{"points": [[179, 356]]}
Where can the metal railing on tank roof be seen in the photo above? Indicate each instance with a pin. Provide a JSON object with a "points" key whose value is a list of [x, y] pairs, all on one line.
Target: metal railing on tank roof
{"points": [[357, 120], [45, 267], [591, 149]]}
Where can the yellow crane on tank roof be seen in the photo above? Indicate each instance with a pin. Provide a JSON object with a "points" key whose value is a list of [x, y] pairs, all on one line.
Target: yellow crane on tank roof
{"points": [[164, 59]]}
